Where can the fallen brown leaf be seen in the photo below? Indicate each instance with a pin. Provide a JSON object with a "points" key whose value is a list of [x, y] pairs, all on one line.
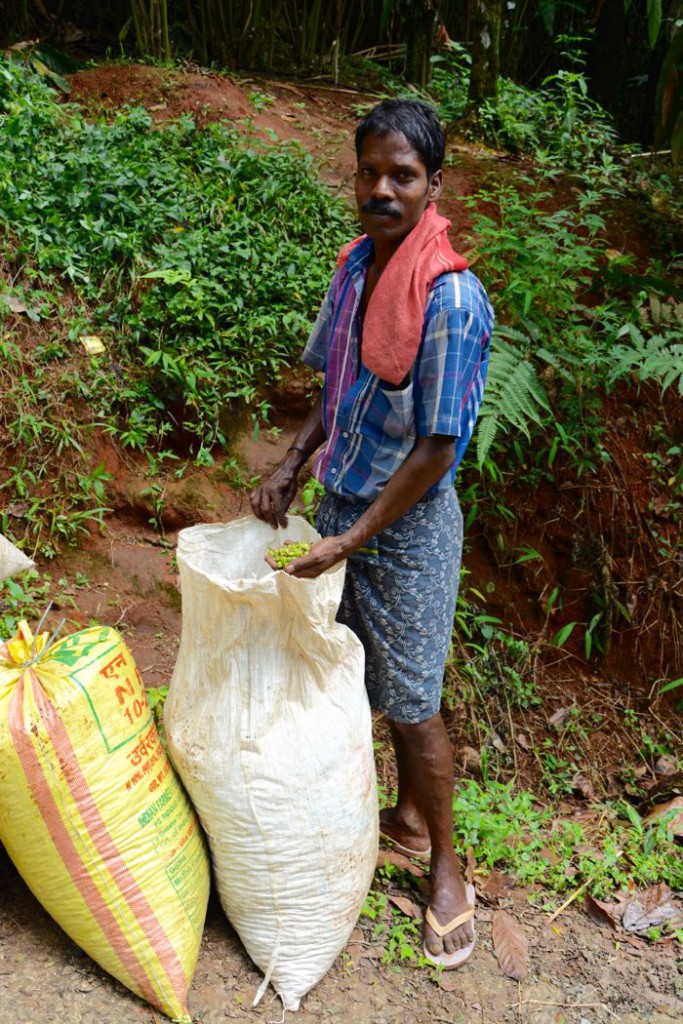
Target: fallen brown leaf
{"points": [[598, 913], [399, 861], [470, 759], [559, 717], [511, 946], [406, 906], [470, 865], [660, 811], [582, 786], [666, 765], [495, 885], [373, 953], [615, 787], [450, 982], [649, 909], [15, 304]]}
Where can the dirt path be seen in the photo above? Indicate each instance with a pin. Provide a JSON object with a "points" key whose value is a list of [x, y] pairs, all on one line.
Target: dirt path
{"points": [[578, 974]]}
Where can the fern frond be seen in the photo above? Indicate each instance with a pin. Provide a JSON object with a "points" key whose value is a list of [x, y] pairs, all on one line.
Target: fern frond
{"points": [[486, 435], [662, 313], [659, 357], [514, 395]]}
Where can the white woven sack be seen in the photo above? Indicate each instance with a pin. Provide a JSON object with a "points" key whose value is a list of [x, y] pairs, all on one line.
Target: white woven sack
{"points": [[12, 560], [269, 727]]}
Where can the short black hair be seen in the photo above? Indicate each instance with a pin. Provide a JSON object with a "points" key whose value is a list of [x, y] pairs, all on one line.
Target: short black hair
{"points": [[416, 120]]}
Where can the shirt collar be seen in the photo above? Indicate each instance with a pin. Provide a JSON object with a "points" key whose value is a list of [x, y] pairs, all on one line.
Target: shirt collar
{"points": [[359, 258]]}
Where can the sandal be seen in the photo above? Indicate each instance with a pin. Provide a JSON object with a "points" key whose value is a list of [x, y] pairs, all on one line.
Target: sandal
{"points": [[449, 961]]}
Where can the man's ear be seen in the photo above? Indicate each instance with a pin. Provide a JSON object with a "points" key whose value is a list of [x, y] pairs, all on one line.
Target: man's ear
{"points": [[435, 186]]}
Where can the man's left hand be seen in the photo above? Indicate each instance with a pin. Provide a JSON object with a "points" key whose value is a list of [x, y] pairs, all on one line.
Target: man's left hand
{"points": [[323, 555]]}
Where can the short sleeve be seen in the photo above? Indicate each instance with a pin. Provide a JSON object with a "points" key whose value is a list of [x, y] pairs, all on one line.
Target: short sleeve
{"points": [[450, 373], [317, 346]]}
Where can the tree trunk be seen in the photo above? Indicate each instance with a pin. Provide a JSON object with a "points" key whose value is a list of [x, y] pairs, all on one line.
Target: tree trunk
{"points": [[420, 18], [486, 19]]}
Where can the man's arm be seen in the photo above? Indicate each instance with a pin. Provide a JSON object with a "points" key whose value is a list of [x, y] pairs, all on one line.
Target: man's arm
{"points": [[429, 460], [271, 500]]}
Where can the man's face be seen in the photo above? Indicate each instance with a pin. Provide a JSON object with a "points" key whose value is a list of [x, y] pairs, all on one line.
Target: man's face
{"points": [[392, 187]]}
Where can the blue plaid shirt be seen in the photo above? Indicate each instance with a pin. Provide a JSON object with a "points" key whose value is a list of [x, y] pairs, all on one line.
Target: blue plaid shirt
{"points": [[372, 426]]}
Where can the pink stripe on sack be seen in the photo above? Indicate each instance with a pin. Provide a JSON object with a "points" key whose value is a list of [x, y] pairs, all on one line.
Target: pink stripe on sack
{"points": [[102, 841]]}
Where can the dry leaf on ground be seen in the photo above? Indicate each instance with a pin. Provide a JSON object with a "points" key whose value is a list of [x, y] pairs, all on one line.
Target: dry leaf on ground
{"points": [[495, 885], [674, 808], [15, 304], [600, 913], [406, 906], [511, 946], [649, 909], [399, 861], [583, 787], [470, 865], [470, 759], [450, 981], [559, 717]]}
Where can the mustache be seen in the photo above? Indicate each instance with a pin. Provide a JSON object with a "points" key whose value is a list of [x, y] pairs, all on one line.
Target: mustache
{"points": [[380, 207]]}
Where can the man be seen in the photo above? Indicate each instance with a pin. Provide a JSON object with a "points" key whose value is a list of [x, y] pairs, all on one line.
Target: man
{"points": [[403, 339]]}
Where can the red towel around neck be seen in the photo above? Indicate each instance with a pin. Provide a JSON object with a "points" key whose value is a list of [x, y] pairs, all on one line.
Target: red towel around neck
{"points": [[392, 329]]}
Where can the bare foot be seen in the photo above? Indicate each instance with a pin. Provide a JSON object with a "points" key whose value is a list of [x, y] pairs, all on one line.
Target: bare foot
{"points": [[410, 837], [448, 900]]}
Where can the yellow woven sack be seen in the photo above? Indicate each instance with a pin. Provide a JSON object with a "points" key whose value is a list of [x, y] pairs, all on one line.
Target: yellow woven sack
{"points": [[92, 813]]}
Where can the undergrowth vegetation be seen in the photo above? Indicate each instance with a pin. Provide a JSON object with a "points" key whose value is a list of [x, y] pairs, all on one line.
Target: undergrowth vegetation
{"points": [[194, 258], [582, 326]]}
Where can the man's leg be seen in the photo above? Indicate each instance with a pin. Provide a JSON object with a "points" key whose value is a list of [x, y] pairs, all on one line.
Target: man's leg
{"points": [[405, 823], [425, 764]]}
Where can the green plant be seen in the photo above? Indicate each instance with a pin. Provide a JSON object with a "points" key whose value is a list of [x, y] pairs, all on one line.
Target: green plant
{"points": [[233, 472], [514, 396], [23, 598], [312, 494], [188, 278], [511, 830], [261, 100], [46, 61], [558, 772], [449, 81], [657, 357], [559, 123], [156, 696]]}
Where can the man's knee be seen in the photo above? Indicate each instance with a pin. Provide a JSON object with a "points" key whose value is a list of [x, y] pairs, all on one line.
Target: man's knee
{"points": [[417, 733]]}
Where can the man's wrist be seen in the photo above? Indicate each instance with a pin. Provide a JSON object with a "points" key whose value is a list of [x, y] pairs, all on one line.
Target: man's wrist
{"points": [[295, 454]]}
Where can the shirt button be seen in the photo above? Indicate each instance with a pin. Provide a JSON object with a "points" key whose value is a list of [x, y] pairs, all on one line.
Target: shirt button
{"points": [[345, 434], [333, 471]]}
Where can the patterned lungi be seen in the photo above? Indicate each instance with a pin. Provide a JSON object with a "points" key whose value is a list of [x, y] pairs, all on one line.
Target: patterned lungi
{"points": [[399, 599]]}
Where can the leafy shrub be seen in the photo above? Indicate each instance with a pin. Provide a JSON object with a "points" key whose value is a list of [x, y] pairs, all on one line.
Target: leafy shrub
{"points": [[197, 258], [559, 121], [202, 255]]}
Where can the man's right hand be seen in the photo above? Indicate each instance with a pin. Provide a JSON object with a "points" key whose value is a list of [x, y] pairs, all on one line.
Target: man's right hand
{"points": [[271, 499]]}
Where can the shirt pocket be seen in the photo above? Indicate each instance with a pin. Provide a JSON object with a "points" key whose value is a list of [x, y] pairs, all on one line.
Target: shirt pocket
{"points": [[399, 411]]}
